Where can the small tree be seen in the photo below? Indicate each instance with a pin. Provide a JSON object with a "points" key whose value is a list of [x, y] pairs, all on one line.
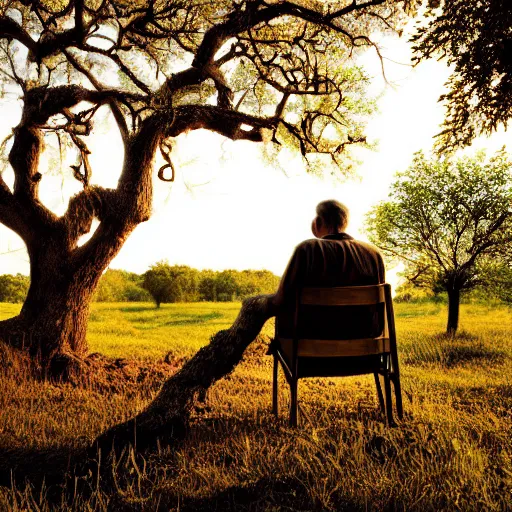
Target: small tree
{"points": [[445, 220], [13, 288], [208, 285], [156, 281], [121, 286], [228, 286], [166, 283]]}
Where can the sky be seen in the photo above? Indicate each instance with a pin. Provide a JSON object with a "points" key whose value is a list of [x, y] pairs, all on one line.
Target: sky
{"points": [[230, 208]]}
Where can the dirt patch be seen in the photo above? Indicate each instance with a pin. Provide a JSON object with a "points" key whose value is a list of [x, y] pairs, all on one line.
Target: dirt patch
{"points": [[96, 372]]}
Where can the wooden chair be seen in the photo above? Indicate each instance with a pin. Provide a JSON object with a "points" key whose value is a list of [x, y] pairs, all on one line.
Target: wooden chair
{"points": [[310, 354]]}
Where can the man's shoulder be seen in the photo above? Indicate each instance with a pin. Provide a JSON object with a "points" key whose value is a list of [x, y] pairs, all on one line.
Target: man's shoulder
{"points": [[365, 245], [312, 243]]}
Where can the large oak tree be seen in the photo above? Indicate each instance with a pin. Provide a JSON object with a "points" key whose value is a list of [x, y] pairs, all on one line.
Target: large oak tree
{"points": [[238, 68]]}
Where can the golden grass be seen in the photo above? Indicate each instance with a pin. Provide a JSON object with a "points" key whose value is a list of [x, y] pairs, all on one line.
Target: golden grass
{"points": [[452, 452]]}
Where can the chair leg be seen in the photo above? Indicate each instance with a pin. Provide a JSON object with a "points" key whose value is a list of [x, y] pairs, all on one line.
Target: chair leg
{"points": [[398, 395], [389, 403], [274, 387], [380, 396], [293, 402]]}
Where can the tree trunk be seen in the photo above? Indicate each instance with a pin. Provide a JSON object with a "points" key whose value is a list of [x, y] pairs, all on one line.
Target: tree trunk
{"points": [[166, 418], [52, 324], [453, 310]]}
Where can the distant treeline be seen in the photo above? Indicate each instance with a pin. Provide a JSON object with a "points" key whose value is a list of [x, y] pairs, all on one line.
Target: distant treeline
{"points": [[179, 283], [162, 283]]}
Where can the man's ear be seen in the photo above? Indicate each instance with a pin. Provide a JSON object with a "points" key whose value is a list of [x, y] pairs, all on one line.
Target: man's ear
{"points": [[316, 226]]}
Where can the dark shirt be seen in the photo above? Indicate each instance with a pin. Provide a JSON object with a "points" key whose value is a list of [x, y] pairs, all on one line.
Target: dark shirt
{"points": [[334, 260]]}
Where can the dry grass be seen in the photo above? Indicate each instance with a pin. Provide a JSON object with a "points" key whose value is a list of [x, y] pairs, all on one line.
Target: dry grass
{"points": [[452, 452]]}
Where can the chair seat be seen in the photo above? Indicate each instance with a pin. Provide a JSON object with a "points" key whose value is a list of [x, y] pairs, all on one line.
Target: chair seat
{"points": [[335, 348], [335, 366]]}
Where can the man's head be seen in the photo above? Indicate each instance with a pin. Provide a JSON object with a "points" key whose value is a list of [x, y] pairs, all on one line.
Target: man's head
{"points": [[331, 217]]}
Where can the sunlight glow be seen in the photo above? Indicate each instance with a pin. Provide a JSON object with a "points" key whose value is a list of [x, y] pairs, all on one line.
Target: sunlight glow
{"points": [[230, 208]]}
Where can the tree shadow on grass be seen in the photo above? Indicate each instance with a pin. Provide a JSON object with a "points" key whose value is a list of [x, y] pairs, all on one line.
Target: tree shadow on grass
{"points": [[196, 320], [139, 309], [265, 494], [451, 351], [53, 471], [43, 468]]}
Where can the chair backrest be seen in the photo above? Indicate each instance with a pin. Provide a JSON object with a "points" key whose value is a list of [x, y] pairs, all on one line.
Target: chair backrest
{"points": [[364, 304], [317, 306], [343, 296]]}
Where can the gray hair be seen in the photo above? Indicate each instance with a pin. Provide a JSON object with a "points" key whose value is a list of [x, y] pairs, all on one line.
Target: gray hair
{"points": [[333, 214]]}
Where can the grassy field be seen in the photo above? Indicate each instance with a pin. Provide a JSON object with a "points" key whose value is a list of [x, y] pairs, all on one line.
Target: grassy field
{"points": [[452, 452]]}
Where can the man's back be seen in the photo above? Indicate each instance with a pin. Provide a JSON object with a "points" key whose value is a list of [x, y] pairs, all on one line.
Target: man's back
{"points": [[334, 260]]}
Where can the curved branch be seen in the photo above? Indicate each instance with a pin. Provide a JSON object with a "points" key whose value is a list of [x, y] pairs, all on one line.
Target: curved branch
{"points": [[167, 416], [220, 120], [93, 202], [45, 46], [41, 103], [10, 213], [9, 29], [257, 13], [24, 160], [131, 200]]}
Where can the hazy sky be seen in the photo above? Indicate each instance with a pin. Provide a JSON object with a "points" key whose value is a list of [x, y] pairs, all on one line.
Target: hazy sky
{"points": [[230, 209]]}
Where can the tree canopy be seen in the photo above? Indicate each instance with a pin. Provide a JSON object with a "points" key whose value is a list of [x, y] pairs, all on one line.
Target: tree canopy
{"points": [[447, 220], [234, 67], [473, 37]]}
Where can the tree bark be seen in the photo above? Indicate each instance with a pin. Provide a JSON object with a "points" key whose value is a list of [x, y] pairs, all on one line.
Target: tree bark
{"points": [[166, 417], [453, 310], [52, 323]]}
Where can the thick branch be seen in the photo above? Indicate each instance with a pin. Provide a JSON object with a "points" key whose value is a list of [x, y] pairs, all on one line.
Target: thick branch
{"points": [[167, 416], [41, 103], [224, 121], [9, 29], [129, 204], [10, 213], [195, 76], [93, 202], [46, 46], [24, 159]]}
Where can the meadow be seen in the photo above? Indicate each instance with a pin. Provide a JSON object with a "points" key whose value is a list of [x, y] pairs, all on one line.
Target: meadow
{"points": [[453, 451]]}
